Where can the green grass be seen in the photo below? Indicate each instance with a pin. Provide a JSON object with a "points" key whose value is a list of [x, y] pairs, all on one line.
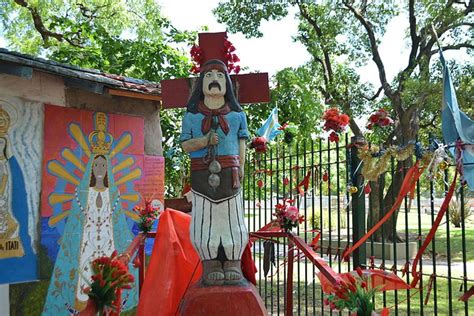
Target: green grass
{"points": [[415, 303], [455, 243]]}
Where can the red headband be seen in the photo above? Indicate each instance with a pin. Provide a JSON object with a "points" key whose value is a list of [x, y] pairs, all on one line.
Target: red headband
{"points": [[212, 66]]}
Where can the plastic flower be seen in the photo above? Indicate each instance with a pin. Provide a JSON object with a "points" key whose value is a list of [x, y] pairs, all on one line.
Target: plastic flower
{"points": [[287, 215], [335, 122], [380, 119], [259, 144]]}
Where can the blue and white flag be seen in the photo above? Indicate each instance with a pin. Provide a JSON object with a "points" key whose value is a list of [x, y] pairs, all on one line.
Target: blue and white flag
{"points": [[270, 130], [457, 125]]}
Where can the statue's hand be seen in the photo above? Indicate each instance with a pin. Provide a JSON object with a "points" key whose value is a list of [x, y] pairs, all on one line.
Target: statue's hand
{"points": [[241, 172], [213, 139]]}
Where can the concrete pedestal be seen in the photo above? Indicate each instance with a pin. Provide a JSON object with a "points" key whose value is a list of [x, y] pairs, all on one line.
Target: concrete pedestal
{"points": [[242, 300]]}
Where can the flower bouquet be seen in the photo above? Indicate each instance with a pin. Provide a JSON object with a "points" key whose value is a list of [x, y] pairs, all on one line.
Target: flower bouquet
{"points": [[259, 144], [335, 122], [110, 276], [380, 125], [354, 293], [288, 215], [147, 216]]}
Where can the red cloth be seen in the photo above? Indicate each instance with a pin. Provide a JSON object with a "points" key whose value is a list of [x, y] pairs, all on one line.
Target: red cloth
{"points": [[209, 114], [386, 281], [174, 266]]}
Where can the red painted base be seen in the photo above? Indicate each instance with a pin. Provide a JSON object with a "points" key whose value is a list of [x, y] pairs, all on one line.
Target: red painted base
{"points": [[222, 300]]}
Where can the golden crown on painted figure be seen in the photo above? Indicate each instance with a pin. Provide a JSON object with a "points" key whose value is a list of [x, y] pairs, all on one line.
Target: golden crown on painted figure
{"points": [[100, 140], [4, 122]]}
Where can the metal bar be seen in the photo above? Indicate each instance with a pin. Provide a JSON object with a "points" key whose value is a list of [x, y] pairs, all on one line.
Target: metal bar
{"points": [[271, 208], [328, 171], [358, 206], [265, 220], [285, 254], [313, 187], [321, 222], [305, 234], [348, 208], [277, 182], [448, 251], [463, 242], [418, 208], [289, 281], [394, 232], [433, 251], [290, 192], [406, 245]]}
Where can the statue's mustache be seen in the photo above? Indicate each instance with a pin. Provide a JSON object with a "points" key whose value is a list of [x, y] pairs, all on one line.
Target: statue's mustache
{"points": [[214, 84]]}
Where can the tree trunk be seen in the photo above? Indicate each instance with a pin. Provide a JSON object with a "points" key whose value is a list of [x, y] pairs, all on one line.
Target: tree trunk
{"points": [[373, 213], [405, 133]]}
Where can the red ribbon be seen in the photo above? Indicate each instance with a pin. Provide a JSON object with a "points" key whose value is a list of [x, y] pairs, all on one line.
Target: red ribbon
{"points": [[467, 295], [408, 186], [209, 114], [431, 234]]}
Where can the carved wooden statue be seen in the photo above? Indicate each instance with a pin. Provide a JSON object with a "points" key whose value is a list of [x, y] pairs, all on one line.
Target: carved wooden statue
{"points": [[214, 133]]}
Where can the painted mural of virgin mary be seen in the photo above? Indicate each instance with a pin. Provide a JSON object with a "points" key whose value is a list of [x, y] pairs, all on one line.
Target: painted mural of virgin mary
{"points": [[96, 225], [15, 242]]}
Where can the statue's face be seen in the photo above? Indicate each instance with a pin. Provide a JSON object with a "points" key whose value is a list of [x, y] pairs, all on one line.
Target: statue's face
{"points": [[99, 167], [214, 83]]}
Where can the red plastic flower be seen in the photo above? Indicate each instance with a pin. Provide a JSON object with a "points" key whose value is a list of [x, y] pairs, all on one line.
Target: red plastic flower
{"points": [[259, 144], [333, 137], [335, 122], [380, 118]]}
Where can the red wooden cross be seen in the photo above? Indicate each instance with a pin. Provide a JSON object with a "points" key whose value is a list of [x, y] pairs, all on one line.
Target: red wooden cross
{"points": [[251, 88]]}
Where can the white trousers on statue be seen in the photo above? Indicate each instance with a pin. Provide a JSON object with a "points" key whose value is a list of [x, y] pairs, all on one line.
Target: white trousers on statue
{"points": [[216, 223]]}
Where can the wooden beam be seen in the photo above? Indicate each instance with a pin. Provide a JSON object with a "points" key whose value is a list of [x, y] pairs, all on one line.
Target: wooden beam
{"points": [[133, 94]]}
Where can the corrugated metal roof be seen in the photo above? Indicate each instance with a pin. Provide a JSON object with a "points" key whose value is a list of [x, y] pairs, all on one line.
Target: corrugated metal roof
{"points": [[90, 75]]}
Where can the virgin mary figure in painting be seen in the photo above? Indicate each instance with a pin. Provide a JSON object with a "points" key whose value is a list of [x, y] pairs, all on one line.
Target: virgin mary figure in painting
{"points": [[15, 242], [95, 227]]}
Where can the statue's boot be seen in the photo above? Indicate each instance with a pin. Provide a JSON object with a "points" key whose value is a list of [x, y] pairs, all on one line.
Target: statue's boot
{"points": [[212, 272], [233, 272]]}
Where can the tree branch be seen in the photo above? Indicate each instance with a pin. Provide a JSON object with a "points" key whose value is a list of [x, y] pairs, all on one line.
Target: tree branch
{"points": [[41, 28], [327, 61], [453, 47], [415, 43], [319, 60], [374, 49], [375, 96]]}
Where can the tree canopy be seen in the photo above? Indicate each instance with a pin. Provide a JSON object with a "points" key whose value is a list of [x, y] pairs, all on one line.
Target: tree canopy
{"points": [[342, 35], [345, 34], [129, 38]]}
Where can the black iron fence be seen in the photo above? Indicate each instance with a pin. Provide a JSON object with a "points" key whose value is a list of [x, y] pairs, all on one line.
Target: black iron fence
{"points": [[447, 266]]}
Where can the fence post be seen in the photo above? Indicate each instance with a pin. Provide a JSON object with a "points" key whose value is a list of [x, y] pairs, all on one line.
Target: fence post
{"points": [[358, 203], [289, 279]]}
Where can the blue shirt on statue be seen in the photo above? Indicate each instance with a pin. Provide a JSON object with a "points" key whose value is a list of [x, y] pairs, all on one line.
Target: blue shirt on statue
{"points": [[228, 144]]}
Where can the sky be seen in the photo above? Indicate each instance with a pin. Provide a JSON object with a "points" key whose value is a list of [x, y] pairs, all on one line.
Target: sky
{"points": [[276, 49]]}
